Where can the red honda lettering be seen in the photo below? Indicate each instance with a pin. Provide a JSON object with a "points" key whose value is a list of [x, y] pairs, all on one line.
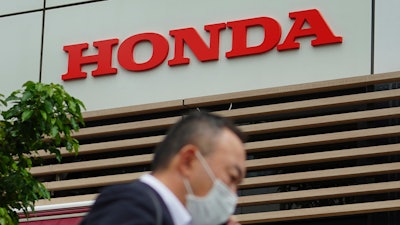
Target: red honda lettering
{"points": [[196, 44], [318, 27], [189, 37], [103, 59], [272, 35]]}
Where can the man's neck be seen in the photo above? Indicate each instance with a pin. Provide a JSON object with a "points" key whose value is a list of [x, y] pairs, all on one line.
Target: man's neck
{"points": [[174, 182]]}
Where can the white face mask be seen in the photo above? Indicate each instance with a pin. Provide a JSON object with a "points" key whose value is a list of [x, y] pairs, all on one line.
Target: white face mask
{"points": [[214, 208]]}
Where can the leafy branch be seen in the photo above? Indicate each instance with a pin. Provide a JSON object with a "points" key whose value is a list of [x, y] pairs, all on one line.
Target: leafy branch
{"points": [[39, 117]]}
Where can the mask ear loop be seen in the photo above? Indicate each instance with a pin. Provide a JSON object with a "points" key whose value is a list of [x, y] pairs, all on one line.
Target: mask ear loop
{"points": [[205, 165], [187, 186]]}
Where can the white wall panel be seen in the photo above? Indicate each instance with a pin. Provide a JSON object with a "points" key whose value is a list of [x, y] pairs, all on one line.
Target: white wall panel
{"points": [[387, 32], [17, 6], [124, 18], [52, 3], [20, 50]]}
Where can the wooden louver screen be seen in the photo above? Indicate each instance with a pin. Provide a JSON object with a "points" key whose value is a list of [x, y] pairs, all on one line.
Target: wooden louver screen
{"points": [[315, 150]]}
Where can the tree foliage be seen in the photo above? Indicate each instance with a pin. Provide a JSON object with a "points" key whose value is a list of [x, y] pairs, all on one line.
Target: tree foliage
{"points": [[37, 117]]}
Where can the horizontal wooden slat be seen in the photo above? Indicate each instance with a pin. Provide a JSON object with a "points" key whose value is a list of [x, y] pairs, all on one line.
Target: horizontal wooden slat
{"points": [[69, 199], [133, 110], [92, 181], [317, 212], [321, 139], [318, 175], [320, 121], [118, 129], [110, 146], [247, 182], [292, 90], [322, 193], [320, 157], [313, 104], [92, 165]]}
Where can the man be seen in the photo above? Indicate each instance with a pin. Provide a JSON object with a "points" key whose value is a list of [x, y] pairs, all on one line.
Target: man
{"points": [[196, 171]]}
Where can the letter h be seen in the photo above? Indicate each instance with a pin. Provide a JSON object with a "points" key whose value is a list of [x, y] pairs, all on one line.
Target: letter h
{"points": [[103, 59]]}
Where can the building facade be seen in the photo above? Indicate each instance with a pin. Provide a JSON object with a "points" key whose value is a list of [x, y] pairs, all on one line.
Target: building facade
{"points": [[314, 84]]}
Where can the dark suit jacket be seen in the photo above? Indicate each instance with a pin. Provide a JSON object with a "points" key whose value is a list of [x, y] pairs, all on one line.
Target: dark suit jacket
{"points": [[132, 204]]}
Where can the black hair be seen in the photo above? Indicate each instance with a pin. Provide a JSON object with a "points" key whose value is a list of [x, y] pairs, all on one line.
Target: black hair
{"points": [[199, 128]]}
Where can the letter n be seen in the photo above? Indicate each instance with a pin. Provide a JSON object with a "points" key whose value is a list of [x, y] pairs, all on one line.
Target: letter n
{"points": [[318, 27], [76, 60], [196, 44]]}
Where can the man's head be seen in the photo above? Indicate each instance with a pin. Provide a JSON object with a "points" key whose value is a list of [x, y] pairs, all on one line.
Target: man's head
{"points": [[217, 139], [202, 161], [198, 128]]}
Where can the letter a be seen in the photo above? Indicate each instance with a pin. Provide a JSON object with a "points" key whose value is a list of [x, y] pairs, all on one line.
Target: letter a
{"points": [[318, 27]]}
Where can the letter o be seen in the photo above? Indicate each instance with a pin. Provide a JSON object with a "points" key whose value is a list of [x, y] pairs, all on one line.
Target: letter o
{"points": [[160, 51]]}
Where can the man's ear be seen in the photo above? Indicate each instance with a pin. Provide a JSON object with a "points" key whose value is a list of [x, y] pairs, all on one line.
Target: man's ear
{"points": [[186, 159]]}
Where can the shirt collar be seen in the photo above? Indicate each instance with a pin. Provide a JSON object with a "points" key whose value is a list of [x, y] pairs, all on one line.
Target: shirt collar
{"points": [[178, 212]]}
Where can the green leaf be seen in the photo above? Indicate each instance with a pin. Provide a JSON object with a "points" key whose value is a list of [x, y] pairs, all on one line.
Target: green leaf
{"points": [[48, 106], [39, 87], [69, 146], [72, 106], [27, 95], [14, 166], [3, 102], [80, 103], [58, 157], [76, 146], [29, 84], [26, 115], [12, 97], [54, 131], [75, 126], [53, 121], [44, 114]]}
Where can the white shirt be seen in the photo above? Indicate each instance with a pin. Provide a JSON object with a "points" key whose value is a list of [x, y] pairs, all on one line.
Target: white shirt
{"points": [[178, 212]]}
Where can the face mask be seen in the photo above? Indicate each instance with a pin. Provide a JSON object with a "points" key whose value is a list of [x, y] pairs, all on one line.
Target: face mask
{"points": [[214, 208]]}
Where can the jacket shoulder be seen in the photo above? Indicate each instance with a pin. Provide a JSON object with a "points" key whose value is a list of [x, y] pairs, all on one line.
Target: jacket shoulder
{"points": [[122, 204]]}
